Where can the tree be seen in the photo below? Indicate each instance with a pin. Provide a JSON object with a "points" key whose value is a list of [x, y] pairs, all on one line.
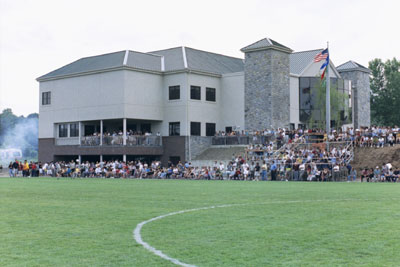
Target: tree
{"points": [[385, 92]]}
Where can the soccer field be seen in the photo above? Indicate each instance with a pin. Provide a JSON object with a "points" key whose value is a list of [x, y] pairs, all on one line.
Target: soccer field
{"points": [[90, 222]]}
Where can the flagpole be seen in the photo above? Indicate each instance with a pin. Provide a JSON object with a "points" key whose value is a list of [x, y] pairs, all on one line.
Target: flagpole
{"points": [[328, 101]]}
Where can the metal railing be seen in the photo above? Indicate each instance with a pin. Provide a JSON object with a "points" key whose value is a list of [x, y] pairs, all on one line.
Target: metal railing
{"points": [[90, 141], [113, 140], [132, 140], [140, 140], [242, 140]]}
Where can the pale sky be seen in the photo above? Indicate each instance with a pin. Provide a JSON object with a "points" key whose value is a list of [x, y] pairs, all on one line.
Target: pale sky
{"points": [[38, 36]]}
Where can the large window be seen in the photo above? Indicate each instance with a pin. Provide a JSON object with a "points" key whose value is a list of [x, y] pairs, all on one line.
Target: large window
{"points": [[174, 92], [195, 128], [46, 98], [74, 130], [63, 130], [195, 92], [210, 129], [312, 100], [174, 128], [210, 94]]}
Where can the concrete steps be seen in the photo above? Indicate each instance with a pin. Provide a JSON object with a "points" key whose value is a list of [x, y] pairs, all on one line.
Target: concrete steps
{"points": [[218, 153]]}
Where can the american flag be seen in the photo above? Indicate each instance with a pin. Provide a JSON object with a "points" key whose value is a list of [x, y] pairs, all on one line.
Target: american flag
{"points": [[320, 56]]}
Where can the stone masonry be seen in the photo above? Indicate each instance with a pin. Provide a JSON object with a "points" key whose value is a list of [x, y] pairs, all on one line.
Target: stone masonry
{"points": [[267, 89], [198, 144], [361, 90]]}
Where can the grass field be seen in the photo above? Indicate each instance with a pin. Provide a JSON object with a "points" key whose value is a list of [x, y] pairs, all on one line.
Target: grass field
{"points": [[89, 222]]}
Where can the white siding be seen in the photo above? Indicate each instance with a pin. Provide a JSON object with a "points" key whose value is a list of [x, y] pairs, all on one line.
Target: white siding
{"points": [[201, 110], [175, 110], [232, 100], [89, 97], [294, 101], [143, 96]]}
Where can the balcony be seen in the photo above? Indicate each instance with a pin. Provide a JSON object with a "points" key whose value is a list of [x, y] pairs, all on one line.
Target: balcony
{"points": [[93, 141]]}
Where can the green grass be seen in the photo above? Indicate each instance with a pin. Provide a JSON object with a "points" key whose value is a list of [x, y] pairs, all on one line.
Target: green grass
{"points": [[89, 222]]}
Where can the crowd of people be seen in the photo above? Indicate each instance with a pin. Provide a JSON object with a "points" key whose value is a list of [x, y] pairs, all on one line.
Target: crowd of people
{"points": [[120, 133], [299, 155], [373, 136]]}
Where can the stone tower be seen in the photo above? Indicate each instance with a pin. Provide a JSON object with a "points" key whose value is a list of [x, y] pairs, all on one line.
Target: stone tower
{"points": [[359, 77], [267, 85]]}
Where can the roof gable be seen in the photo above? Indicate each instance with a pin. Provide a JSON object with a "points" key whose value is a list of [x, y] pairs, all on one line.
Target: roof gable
{"points": [[352, 66], [299, 61], [265, 43]]}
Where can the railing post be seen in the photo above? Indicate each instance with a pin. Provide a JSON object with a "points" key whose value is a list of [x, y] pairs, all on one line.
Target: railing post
{"points": [[80, 132], [101, 132], [124, 131]]}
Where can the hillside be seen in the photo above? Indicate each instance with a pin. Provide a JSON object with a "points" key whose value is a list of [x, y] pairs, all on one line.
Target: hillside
{"points": [[372, 157]]}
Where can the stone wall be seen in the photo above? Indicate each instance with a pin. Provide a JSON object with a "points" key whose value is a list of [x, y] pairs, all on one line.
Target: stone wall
{"points": [[198, 144], [267, 89], [361, 90]]}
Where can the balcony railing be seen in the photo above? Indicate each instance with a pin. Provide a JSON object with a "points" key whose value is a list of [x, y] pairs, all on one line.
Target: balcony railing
{"points": [[241, 140], [67, 141], [132, 140], [90, 141], [140, 140]]}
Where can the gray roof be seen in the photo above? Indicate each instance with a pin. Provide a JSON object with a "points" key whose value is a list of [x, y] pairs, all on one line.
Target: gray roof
{"points": [[352, 66], [173, 58], [300, 60], [144, 61], [199, 60], [264, 43], [211, 62], [88, 64], [152, 61]]}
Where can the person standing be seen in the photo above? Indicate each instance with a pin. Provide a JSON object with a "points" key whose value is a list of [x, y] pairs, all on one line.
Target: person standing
{"points": [[15, 168], [273, 171], [10, 169], [264, 171]]}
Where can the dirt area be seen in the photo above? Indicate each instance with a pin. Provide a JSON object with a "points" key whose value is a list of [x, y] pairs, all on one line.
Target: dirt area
{"points": [[372, 157]]}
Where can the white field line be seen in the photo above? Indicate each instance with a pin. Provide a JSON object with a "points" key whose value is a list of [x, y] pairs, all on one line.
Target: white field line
{"points": [[138, 237]]}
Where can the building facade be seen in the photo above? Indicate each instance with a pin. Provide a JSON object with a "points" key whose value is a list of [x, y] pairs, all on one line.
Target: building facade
{"points": [[166, 104]]}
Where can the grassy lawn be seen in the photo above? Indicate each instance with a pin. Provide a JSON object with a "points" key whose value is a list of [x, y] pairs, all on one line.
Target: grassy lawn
{"points": [[89, 222]]}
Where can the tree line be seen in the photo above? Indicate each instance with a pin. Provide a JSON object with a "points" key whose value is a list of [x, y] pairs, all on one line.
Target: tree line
{"points": [[385, 92]]}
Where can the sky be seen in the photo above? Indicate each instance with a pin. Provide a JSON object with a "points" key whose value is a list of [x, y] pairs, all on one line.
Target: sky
{"points": [[39, 36]]}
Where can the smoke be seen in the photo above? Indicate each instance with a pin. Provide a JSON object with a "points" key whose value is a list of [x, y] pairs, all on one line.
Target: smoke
{"points": [[21, 134]]}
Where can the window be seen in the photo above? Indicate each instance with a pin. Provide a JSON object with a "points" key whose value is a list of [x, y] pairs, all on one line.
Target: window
{"points": [[145, 128], [46, 98], [210, 94], [195, 128], [174, 92], [210, 129], [74, 130], [228, 129], [174, 128], [63, 130], [195, 92]]}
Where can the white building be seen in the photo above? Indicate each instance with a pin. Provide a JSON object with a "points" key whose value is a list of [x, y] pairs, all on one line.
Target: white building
{"points": [[177, 92]]}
